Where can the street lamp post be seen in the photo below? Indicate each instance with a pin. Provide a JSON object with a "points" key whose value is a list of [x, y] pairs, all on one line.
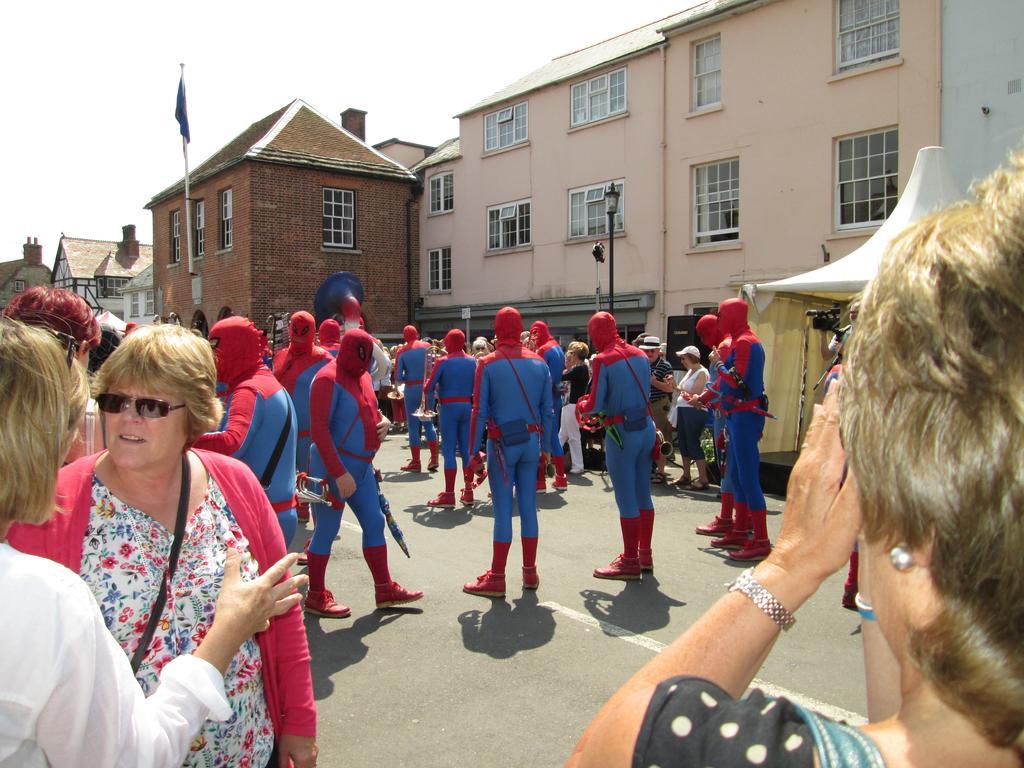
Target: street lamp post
{"points": [[611, 203]]}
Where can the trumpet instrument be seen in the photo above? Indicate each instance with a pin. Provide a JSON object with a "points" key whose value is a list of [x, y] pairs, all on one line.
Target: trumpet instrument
{"points": [[304, 489]]}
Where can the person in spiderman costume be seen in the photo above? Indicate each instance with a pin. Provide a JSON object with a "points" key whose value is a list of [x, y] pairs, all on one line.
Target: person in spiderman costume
{"points": [[618, 392], [260, 427], [409, 367], [295, 366], [330, 335], [347, 429], [552, 353], [741, 387], [453, 378], [711, 335], [512, 404]]}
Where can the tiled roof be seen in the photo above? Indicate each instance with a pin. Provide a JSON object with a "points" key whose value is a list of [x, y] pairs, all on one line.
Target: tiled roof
{"points": [[8, 268], [142, 281], [449, 150], [295, 135], [97, 258], [614, 49]]}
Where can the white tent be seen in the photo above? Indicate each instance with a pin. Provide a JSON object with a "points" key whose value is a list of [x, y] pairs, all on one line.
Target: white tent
{"points": [[108, 319], [930, 187]]}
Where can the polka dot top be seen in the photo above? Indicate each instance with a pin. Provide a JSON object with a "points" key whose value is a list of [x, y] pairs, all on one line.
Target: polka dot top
{"points": [[693, 722]]}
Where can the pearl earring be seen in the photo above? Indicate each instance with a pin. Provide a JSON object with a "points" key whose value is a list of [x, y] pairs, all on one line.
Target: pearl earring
{"points": [[901, 558]]}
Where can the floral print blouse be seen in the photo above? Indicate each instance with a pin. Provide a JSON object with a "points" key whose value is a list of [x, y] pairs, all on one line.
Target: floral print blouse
{"points": [[124, 557]]}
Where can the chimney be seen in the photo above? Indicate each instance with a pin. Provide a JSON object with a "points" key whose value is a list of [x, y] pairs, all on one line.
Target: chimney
{"points": [[128, 248], [354, 121], [32, 251]]}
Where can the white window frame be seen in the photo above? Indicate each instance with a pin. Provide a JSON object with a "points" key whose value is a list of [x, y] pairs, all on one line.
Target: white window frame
{"points": [[150, 303], [442, 193], [439, 270], [175, 237], [707, 73], [501, 236], [867, 175], [873, 23], [227, 212], [134, 304], [19, 286], [597, 98], [507, 127], [715, 197], [588, 216], [199, 222], [339, 219]]}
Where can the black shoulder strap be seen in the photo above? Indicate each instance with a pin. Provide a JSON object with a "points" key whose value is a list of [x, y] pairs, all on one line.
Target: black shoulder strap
{"points": [[275, 457], [172, 564]]}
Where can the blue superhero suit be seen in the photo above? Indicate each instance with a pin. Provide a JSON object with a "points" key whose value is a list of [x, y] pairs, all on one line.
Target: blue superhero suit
{"points": [[512, 404], [409, 365], [452, 380], [552, 354], [618, 391], [258, 413]]}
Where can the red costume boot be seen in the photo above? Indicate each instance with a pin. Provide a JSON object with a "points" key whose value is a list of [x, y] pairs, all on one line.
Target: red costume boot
{"points": [[302, 512], [759, 547], [560, 483], [626, 567], [644, 551], [319, 600], [466, 497], [492, 582], [542, 476], [387, 592], [531, 580], [722, 522], [740, 533], [304, 557], [447, 497], [414, 463], [432, 464]]}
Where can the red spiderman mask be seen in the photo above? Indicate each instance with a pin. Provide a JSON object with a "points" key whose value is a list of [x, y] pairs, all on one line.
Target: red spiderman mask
{"points": [[603, 331], [732, 317], [237, 344], [708, 330], [508, 326], [354, 358], [355, 353], [301, 329], [410, 334], [455, 343], [330, 332], [540, 333]]}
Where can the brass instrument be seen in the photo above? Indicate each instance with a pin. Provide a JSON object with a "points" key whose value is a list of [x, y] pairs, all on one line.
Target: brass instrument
{"points": [[664, 446], [430, 358], [304, 491]]}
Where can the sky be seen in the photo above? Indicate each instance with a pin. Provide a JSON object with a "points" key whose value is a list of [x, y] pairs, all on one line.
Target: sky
{"points": [[88, 89]]}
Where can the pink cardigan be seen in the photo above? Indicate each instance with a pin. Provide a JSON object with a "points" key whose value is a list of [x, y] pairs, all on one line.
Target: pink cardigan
{"points": [[287, 683]]}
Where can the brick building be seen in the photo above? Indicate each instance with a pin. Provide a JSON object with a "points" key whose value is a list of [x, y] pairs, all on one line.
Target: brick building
{"points": [[292, 199], [24, 273]]}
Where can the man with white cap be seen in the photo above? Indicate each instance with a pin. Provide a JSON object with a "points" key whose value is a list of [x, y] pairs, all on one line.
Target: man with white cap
{"points": [[662, 386]]}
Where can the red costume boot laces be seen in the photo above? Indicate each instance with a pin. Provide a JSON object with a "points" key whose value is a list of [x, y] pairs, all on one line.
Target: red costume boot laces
{"points": [[444, 499], [487, 585], [466, 497], [647, 560], [622, 568], [324, 604], [755, 549], [715, 527], [732, 540], [413, 466], [531, 579], [392, 594], [560, 483]]}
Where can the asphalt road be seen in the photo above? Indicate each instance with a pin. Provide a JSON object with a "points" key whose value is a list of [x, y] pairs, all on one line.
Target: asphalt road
{"points": [[460, 680]]}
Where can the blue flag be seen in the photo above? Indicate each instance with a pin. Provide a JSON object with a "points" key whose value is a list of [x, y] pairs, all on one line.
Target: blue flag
{"points": [[181, 110]]}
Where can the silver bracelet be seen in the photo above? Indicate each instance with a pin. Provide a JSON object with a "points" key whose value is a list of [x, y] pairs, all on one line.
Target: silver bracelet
{"points": [[763, 599]]}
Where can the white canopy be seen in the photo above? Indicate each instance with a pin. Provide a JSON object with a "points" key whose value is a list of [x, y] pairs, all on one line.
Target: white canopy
{"points": [[930, 187], [108, 319]]}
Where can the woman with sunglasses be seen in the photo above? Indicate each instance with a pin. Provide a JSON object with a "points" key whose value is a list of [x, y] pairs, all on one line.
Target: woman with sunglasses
{"points": [[66, 688], [130, 508]]}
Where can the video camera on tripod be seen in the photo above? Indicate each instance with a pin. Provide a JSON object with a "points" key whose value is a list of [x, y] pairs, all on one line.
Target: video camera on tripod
{"points": [[824, 319]]}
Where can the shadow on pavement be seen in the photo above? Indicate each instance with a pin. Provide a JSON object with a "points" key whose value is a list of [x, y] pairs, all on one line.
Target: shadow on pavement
{"points": [[551, 500], [439, 517], [723, 555], [504, 630], [407, 477], [341, 646], [640, 607]]}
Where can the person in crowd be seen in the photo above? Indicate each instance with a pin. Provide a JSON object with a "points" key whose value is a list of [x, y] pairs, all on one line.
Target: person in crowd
{"points": [[481, 347], [662, 387], [577, 377], [260, 427], [619, 396], [691, 418], [67, 314], [512, 406], [453, 378], [942, 613], [833, 349], [551, 352], [109, 341], [329, 335], [347, 431], [410, 366], [148, 525], [66, 687], [294, 367], [397, 397]]}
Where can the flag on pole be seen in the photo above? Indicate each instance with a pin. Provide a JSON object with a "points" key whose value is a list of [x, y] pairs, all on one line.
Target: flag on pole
{"points": [[181, 110]]}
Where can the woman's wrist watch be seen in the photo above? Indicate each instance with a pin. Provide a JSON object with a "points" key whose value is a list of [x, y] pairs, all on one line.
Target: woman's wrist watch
{"points": [[763, 599]]}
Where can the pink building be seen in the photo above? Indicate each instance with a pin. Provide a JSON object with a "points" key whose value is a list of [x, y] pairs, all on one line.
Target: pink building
{"points": [[752, 139]]}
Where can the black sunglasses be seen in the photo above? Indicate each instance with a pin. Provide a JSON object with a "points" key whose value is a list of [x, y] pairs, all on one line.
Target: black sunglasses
{"points": [[146, 407], [70, 344]]}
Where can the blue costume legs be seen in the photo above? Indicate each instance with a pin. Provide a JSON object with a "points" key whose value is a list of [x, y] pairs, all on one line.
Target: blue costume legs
{"points": [[630, 470], [289, 521]]}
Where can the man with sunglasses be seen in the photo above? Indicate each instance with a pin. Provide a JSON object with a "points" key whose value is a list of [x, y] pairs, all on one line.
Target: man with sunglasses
{"points": [[260, 427]]}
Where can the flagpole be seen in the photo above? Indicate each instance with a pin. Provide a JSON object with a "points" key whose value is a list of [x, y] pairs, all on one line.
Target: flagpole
{"points": [[188, 202]]}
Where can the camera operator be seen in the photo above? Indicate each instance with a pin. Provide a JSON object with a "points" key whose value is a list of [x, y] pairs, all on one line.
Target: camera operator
{"points": [[840, 336]]}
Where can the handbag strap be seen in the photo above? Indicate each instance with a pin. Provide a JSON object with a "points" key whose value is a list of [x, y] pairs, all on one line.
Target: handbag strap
{"points": [[275, 457], [172, 564]]}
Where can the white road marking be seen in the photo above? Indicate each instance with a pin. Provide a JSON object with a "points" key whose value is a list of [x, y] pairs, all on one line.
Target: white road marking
{"points": [[769, 689]]}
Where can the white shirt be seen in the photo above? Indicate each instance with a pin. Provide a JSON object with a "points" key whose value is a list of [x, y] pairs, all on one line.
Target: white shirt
{"points": [[693, 383], [67, 689]]}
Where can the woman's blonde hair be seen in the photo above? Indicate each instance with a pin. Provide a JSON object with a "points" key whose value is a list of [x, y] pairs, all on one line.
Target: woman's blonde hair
{"points": [[933, 422], [43, 402], [170, 360], [580, 349]]}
